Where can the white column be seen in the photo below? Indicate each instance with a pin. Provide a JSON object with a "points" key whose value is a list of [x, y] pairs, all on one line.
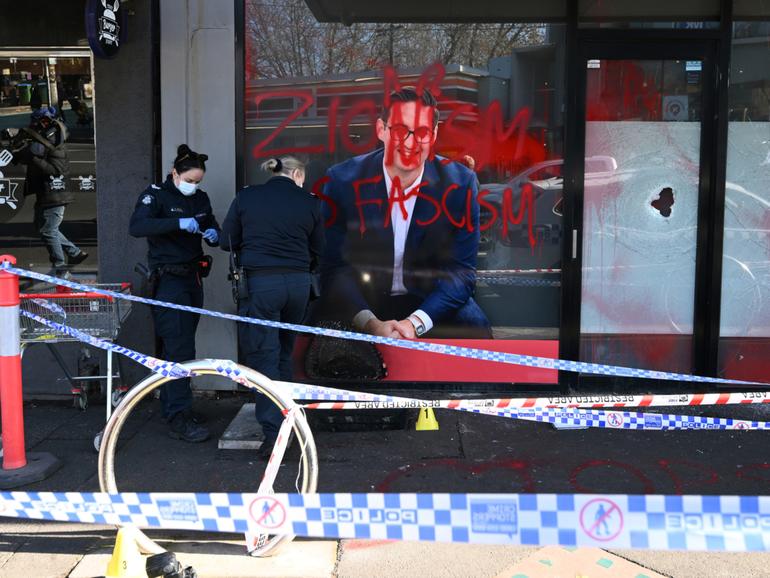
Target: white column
{"points": [[198, 107]]}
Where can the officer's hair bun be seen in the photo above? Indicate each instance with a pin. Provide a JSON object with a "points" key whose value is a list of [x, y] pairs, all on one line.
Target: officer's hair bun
{"points": [[272, 165], [187, 159], [285, 165]]}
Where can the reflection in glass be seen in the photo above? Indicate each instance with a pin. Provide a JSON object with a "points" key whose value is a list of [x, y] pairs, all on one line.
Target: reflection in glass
{"points": [[62, 81], [640, 212], [745, 314], [501, 115]]}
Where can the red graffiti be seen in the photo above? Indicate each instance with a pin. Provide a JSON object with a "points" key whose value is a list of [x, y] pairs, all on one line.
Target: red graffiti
{"points": [[622, 90], [661, 476], [469, 129], [604, 466], [502, 214], [759, 472], [703, 474]]}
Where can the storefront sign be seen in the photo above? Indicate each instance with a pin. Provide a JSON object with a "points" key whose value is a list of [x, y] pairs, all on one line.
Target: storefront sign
{"points": [[11, 198], [105, 27]]}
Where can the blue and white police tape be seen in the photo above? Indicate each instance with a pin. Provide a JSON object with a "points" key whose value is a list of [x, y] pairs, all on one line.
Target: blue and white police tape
{"points": [[583, 418], [51, 306], [658, 522], [557, 416], [440, 348], [496, 280]]}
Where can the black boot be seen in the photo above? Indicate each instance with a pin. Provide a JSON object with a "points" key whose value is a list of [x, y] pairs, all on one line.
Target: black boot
{"points": [[77, 259], [182, 427]]}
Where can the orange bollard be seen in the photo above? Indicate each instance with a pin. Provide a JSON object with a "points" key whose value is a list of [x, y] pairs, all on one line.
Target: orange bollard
{"points": [[10, 371], [17, 470]]}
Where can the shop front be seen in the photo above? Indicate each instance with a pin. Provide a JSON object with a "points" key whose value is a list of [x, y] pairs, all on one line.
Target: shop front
{"points": [[621, 186], [614, 163]]}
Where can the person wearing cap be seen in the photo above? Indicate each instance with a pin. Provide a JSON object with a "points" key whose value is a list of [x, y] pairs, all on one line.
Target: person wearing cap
{"points": [[45, 155], [175, 216], [277, 230]]}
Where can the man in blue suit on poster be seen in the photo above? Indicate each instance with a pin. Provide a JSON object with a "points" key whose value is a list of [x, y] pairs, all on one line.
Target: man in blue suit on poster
{"points": [[403, 232]]}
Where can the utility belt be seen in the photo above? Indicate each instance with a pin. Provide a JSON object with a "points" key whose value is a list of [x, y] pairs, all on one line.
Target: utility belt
{"points": [[150, 279], [200, 267]]}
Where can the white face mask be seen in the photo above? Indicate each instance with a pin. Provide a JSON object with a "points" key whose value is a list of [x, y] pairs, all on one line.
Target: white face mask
{"points": [[187, 189]]}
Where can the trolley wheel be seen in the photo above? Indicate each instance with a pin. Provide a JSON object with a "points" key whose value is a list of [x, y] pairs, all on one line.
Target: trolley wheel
{"points": [[98, 440], [80, 400]]}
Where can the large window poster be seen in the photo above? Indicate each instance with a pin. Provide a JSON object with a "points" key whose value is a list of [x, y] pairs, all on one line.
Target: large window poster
{"points": [[436, 150]]}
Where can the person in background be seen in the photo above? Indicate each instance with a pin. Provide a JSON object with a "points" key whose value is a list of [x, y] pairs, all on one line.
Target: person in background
{"points": [[175, 216], [47, 161], [277, 230]]}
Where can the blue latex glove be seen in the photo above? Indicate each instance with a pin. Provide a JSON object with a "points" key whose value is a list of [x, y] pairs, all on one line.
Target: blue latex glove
{"points": [[189, 224], [211, 235]]}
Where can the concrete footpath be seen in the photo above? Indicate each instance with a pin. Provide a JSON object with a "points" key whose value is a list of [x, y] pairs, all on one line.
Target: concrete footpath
{"points": [[470, 453]]}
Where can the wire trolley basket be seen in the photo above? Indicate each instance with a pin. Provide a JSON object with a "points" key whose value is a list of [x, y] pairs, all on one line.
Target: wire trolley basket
{"points": [[92, 313]]}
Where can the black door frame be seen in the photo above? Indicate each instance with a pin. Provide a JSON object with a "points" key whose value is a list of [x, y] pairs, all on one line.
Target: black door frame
{"points": [[712, 47]]}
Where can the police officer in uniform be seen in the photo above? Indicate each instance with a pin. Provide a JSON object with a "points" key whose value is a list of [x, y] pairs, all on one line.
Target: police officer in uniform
{"points": [[277, 229], [175, 217]]}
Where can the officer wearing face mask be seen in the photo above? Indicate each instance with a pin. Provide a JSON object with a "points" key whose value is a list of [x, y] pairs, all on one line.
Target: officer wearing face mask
{"points": [[175, 217]]}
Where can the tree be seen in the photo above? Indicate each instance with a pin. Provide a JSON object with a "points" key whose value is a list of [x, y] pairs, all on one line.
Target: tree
{"points": [[284, 40]]}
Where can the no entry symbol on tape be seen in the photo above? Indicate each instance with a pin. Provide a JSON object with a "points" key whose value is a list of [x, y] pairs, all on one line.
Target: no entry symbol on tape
{"points": [[615, 419], [601, 519], [268, 513]]}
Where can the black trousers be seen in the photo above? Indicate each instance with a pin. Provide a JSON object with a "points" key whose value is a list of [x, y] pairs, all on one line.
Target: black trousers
{"points": [[276, 297], [176, 332]]}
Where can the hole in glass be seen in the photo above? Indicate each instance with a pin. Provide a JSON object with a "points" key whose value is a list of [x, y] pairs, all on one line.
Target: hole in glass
{"points": [[664, 202]]}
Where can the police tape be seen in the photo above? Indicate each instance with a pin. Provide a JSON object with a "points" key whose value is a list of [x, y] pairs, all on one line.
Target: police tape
{"points": [[658, 522], [517, 281], [568, 417], [577, 401], [425, 346], [224, 367], [573, 416]]}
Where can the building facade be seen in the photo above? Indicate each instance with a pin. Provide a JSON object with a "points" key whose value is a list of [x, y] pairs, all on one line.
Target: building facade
{"points": [[621, 152]]}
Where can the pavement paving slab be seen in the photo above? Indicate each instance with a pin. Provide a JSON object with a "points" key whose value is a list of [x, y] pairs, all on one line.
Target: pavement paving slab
{"points": [[387, 559]]}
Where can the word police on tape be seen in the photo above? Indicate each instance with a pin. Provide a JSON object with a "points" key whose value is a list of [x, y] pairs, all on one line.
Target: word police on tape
{"points": [[732, 523]]}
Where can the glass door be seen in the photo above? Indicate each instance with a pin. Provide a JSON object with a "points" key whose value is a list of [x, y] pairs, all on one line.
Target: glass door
{"points": [[61, 80], [640, 205]]}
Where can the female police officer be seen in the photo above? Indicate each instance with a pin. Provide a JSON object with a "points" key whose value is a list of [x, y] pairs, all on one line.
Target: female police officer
{"points": [[174, 217], [277, 230]]}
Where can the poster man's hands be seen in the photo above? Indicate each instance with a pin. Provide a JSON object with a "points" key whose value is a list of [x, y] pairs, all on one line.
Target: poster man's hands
{"points": [[383, 328], [406, 329], [403, 329]]}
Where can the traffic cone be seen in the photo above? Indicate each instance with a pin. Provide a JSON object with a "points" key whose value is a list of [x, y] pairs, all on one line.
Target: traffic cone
{"points": [[126, 561], [427, 420]]}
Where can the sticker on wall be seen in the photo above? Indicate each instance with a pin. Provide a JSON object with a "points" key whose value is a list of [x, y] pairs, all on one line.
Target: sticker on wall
{"points": [[86, 183], [675, 108], [11, 199]]}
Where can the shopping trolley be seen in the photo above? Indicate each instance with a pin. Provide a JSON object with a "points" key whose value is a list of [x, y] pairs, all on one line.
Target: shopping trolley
{"points": [[91, 313]]}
